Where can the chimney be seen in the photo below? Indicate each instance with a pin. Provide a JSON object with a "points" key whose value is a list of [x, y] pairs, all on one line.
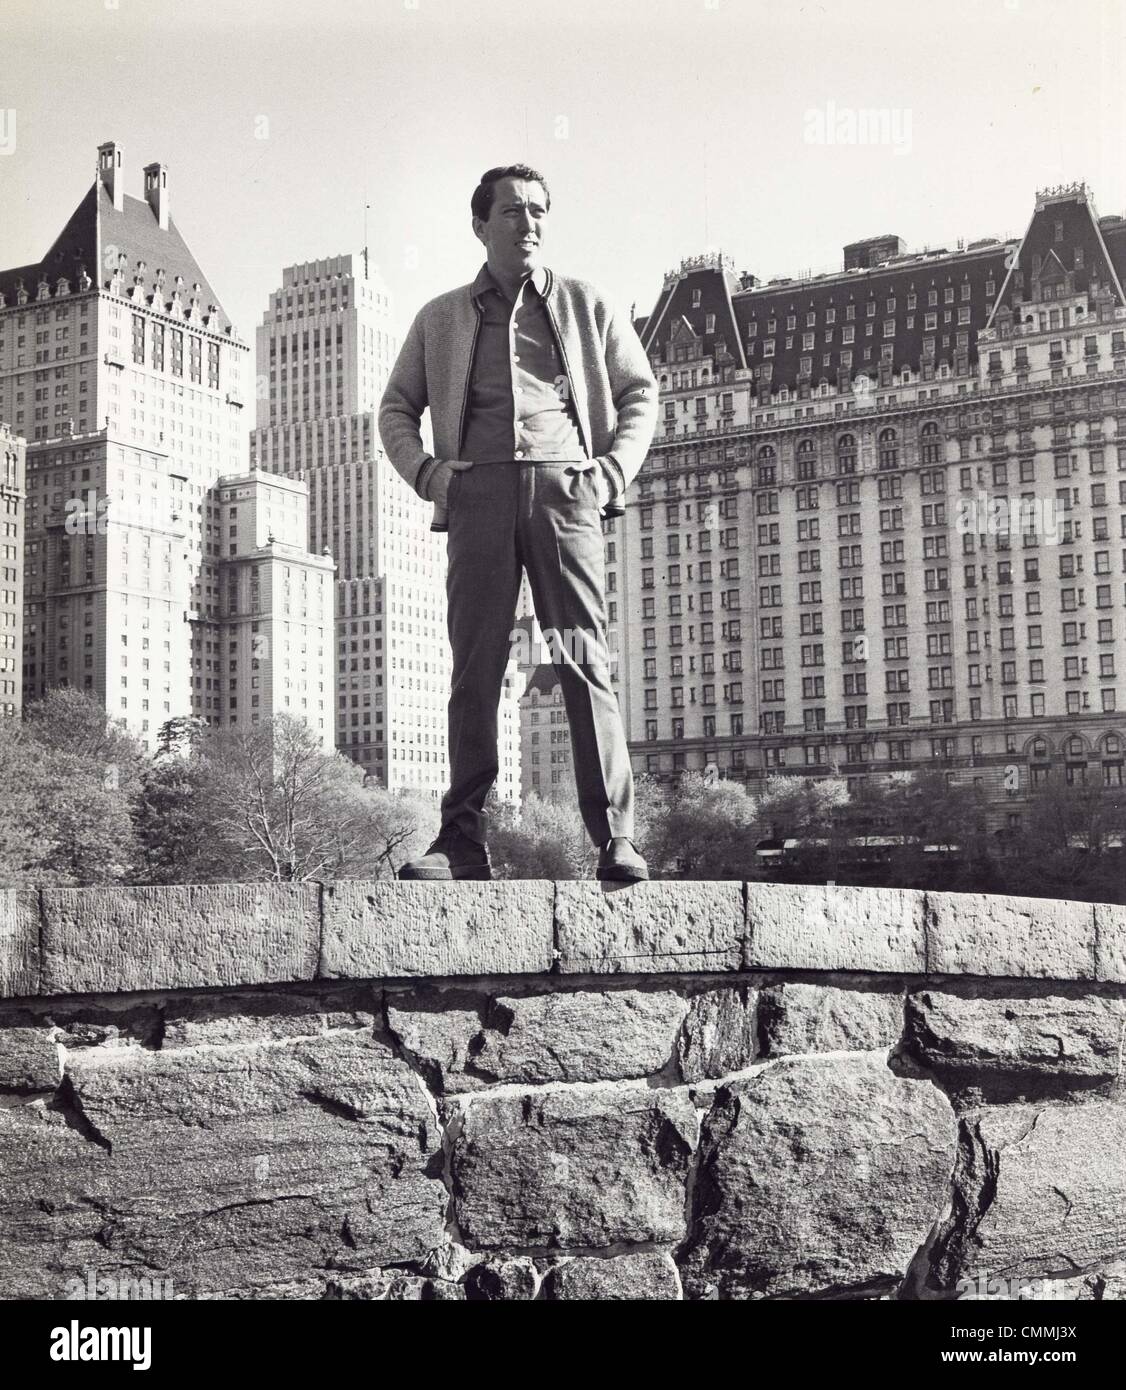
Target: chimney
{"points": [[156, 192], [110, 173]]}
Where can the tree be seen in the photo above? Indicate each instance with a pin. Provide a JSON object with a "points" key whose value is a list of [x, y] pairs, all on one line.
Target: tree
{"points": [[1070, 845], [701, 829], [178, 844], [279, 807], [70, 779], [24, 840], [69, 721], [543, 839]]}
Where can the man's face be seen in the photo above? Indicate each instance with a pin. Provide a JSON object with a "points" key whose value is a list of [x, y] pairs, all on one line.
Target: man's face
{"points": [[513, 235]]}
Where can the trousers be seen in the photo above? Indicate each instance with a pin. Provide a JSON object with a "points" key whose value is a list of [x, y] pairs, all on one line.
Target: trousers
{"points": [[542, 518]]}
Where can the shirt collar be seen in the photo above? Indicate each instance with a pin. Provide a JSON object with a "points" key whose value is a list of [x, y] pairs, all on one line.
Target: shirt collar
{"points": [[485, 282]]}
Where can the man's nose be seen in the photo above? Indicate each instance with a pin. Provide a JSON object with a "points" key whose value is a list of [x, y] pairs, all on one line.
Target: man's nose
{"points": [[527, 221]]}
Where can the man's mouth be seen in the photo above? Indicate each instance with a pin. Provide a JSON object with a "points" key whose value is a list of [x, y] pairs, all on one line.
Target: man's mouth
{"points": [[527, 245]]}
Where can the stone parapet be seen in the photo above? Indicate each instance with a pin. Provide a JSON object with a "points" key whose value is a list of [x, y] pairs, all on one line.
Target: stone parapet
{"points": [[556, 1091]]}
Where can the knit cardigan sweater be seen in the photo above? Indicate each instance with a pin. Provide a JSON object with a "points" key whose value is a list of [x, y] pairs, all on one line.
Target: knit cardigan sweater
{"points": [[613, 388]]}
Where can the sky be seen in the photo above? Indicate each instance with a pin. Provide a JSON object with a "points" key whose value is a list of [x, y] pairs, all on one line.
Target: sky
{"points": [[665, 128]]}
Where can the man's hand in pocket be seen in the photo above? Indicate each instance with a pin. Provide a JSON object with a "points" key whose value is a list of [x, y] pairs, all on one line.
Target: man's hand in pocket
{"points": [[438, 484], [605, 490]]}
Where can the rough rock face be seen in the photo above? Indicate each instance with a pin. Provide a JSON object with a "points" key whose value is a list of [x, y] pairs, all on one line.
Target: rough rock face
{"points": [[1044, 1035], [573, 1167], [718, 1036], [648, 1275], [815, 1175], [225, 1167], [1039, 1191], [578, 1092], [797, 1018], [502, 1281], [561, 1036], [29, 1059]]}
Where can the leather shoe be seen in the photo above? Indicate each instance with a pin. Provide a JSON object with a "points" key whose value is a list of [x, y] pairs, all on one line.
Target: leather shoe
{"points": [[619, 862], [453, 855]]}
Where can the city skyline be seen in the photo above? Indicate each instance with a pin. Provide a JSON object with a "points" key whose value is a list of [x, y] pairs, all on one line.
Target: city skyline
{"points": [[875, 139]]}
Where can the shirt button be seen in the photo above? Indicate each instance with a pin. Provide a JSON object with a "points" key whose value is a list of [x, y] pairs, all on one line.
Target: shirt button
{"points": [[516, 359], [519, 453], [518, 388]]}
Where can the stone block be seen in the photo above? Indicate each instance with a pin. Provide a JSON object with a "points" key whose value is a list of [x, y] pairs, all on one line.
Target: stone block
{"points": [[223, 1168], [104, 940], [1046, 1189], [573, 1166], [649, 1275], [1050, 1036], [649, 927], [796, 1018], [19, 942], [983, 934], [388, 929], [576, 1035], [817, 1175], [795, 927], [718, 1036], [1110, 943]]}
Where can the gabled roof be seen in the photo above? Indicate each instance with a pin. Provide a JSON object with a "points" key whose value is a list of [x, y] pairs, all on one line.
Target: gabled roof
{"points": [[96, 235]]}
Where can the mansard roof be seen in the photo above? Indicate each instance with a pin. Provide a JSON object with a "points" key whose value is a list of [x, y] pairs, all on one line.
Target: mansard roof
{"points": [[1065, 248], [1066, 245]]}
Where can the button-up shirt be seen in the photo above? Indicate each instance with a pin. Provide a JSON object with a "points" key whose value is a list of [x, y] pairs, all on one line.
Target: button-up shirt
{"points": [[520, 405]]}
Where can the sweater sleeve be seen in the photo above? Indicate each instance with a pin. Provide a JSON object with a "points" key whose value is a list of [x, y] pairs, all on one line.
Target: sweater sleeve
{"points": [[634, 391], [400, 411]]}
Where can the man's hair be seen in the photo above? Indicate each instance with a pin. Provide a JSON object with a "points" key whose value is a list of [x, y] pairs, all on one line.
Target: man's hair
{"points": [[481, 203]]}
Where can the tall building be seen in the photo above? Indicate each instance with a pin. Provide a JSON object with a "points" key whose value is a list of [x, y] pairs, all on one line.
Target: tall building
{"points": [[509, 779], [12, 495], [277, 601], [545, 742], [883, 523], [325, 350], [121, 367]]}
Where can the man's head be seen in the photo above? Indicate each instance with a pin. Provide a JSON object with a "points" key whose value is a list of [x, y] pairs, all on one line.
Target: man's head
{"points": [[510, 207]]}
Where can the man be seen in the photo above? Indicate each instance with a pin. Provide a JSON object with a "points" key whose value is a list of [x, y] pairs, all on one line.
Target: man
{"points": [[543, 408]]}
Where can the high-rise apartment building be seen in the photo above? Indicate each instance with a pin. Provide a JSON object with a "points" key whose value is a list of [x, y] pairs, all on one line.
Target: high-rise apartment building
{"points": [[12, 495], [325, 349], [883, 523], [127, 377], [545, 751], [277, 607]]}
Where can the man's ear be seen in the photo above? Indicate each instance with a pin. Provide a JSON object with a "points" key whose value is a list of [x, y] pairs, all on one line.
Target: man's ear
{"points": [[479, 229]]}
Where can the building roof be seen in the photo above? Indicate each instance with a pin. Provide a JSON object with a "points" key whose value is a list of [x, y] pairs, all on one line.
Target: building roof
{"points": [[543, 679], [890, 298], [1065, 248], [97, 239]]}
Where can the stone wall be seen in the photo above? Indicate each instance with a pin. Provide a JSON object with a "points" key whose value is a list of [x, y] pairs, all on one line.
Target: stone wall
{"points": [[538, 1090]]}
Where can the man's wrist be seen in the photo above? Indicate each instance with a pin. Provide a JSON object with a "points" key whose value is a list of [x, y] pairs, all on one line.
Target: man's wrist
{"points": [[422, 478], [614, 475]]}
